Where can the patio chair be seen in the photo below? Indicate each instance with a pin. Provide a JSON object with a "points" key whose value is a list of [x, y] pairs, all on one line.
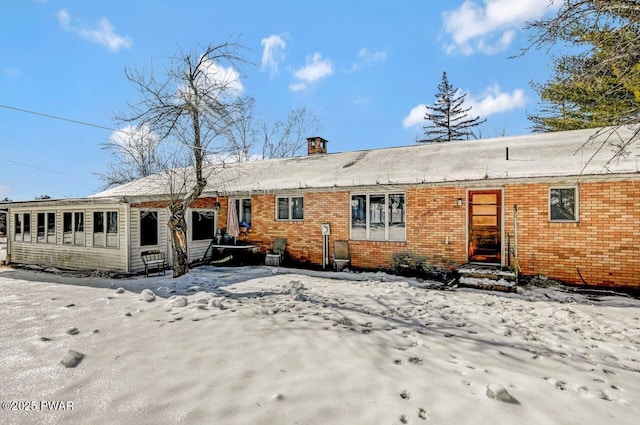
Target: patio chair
{"points": [[275, 255], [341, 255]]}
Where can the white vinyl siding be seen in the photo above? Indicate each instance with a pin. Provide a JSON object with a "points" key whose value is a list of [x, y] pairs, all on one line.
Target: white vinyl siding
{"points": [[81, 255]]}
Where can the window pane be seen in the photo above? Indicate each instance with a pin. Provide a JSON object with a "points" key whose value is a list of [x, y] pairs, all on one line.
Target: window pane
{"points": [[112, 228], [283, 209], [98, 228], [246, 211], [376, 217], [26, 227], [148, 228], [480, 220], [484, 210], [17, 227], [67, 228], [51, 227], [297, 208], [202, 225], [563, 204], [78, 237], [41, 227], [396, 218], [358, 217], [79, 224], [485, 198]]}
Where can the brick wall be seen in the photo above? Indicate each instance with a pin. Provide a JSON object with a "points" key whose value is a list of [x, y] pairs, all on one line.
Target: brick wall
{"points": [[604, 245], [435, 227]]}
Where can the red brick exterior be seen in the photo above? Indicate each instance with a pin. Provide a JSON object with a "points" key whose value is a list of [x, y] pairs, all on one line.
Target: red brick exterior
{"points": [[603, 246]]}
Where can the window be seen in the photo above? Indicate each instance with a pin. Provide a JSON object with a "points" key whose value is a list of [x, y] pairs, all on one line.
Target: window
{"points": [[563, 204], [73, 228], [105, 228], [243, 206], [46, 227], [148, 228], [22, 227], [40, 230], [26, 227], [378, 217], [290, 208], [202, 225]]}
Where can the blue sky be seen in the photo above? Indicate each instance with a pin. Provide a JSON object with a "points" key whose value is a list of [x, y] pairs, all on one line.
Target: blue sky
{"points": [[363, 68]]}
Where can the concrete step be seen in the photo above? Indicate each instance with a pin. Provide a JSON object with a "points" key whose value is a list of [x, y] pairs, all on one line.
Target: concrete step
{"points": [[487, 277]]}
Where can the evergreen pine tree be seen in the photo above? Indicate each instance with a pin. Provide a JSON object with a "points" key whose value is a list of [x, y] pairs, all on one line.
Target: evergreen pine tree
{"points": [[450, 121]]}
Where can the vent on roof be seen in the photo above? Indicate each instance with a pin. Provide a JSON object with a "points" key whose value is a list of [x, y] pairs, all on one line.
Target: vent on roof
{"points": [[316, 145]]}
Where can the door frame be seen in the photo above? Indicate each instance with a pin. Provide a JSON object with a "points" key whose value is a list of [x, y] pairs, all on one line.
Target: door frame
{"points": [[468, 218]]}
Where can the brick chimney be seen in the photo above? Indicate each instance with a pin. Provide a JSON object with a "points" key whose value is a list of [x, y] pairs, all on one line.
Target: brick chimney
{"points": [[316, 145]]}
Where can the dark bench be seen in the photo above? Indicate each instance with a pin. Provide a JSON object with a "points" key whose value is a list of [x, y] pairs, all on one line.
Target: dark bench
{"points": [[154, 260]]}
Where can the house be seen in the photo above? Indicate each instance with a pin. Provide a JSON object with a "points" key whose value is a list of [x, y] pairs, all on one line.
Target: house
{"points": [[556, 202]]}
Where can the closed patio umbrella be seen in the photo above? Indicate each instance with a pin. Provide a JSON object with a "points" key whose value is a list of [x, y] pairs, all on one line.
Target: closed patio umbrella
{"points": [[233, 228]]}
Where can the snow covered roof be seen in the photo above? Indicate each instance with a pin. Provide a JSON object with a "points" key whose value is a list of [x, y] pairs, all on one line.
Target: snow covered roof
{"points": [[569, 153]]}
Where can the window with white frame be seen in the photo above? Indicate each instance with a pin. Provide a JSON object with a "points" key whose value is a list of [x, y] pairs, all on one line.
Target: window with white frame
{"points": [[289, 208], [22, 227], [148, 228], [73, 228], [243, 206], [563, 204], [203, 224], [46, 227], [105, 229], [378, 217]]}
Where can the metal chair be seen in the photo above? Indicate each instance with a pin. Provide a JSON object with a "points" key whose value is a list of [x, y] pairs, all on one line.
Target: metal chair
{"points": [[275, 255], [341, 256]]}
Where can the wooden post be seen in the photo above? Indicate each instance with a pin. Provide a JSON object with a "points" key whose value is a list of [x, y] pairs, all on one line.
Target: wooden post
{"points": [[516, 264]]}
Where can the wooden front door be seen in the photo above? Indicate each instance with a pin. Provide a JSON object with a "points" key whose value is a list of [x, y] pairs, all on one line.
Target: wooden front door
{"points": [[485, 226]]}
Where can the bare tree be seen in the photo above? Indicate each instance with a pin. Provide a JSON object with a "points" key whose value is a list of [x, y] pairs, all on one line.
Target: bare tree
{"points": [[259, 139], [188, 109], [134, 155], [287, 138], [242, 134]]}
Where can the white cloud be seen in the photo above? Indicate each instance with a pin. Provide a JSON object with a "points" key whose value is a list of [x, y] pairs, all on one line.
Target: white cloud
{"points": [[415, 117], [12, 72], [367, 58], [225, 77], [315, 69], [216, 80], [273, 53], [297, 86], [103, 33], [130, 136], [492, 101], [490, 27]]}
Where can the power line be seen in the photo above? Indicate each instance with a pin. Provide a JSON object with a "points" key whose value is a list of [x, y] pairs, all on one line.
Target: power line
{"points": [[57, 117], [37, 168]]}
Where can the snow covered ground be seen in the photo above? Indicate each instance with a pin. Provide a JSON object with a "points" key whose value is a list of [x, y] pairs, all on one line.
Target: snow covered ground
{"points": [[258, 345]]}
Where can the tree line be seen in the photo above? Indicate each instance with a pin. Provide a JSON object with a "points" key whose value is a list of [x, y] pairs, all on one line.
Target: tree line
{"points": [[596, 85]]}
